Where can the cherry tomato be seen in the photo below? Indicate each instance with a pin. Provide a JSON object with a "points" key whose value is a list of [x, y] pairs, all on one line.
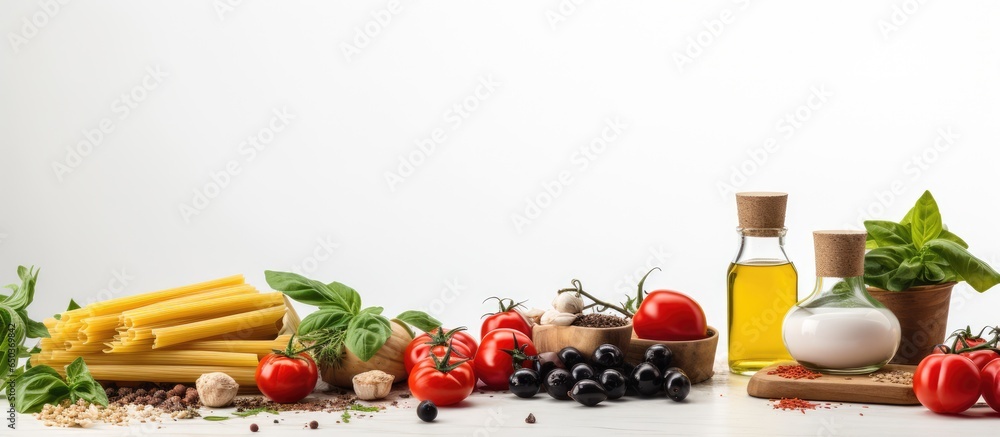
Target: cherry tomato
{"points": [[947, 384], [991, 384], [506, 317], [286, 377], [667, 315], [436, 342], [443, 381], [496, 357], [981, 357]]}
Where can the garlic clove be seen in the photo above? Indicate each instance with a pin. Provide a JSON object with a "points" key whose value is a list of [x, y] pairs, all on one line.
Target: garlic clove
{"points": [[557, 318], [533, 315]]}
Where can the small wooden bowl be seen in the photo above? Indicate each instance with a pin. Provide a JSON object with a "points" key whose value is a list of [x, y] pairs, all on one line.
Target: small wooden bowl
{"points": [[695, 357], [550, 338]]}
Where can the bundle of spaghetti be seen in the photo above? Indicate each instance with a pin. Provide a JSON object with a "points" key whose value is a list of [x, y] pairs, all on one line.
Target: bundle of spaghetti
{"points": [[172, 335], [166, 358]]}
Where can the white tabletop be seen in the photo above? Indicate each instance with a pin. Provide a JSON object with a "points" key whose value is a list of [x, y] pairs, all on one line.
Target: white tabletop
{"points": [[719, 406]]}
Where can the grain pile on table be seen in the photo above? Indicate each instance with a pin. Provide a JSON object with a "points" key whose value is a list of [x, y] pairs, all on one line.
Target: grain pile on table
{"points": [[172, 335]]}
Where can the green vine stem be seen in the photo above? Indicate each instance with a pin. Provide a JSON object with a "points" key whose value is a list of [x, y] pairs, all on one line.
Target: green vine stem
{"points": [[961, 341], [598, 303]]}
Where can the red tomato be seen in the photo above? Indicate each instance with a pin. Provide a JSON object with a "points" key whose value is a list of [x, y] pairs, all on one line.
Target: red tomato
{"points": [[495, 359], [669, 316], [981, 357], [286, 378], [506, 317], [443, 382], [436, 342], [947, 384], [991, 384]]}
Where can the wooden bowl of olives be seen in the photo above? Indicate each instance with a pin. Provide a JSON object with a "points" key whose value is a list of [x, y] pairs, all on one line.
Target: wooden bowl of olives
{"points": [[550, 338], [695, 357]]}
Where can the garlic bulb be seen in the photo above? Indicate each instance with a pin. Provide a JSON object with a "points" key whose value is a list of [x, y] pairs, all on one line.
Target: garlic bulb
{"points": [[558, 318], [568, 302]]}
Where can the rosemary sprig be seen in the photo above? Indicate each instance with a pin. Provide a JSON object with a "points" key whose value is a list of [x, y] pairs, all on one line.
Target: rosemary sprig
{"points": [[330, 349]]}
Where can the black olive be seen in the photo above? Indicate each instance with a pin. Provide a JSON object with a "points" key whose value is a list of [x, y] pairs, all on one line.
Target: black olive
{"points": [[676, 383], [588, 393], [571, 356], [614, 383], [558, 384], [524, 383], [427, 411], [546, 362], [608, 356], [583, 371], [626, 368], [646, 379], [659, 355]]}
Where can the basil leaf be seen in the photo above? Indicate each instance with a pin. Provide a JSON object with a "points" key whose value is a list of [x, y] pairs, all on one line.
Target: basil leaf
{"points": [[420, 319], [32, 328], [8, 317], [933, 274], [77, 371], [366, 334], [72, 306], [38, 386], [977, 273], [4, 350], [906, 274], [325, 319], [216, 418], [908, 218], [377, 311], [88, 390], [926, 220], [25, 293], [350, 297], [301, 289], [947, 235], [886, 233]]}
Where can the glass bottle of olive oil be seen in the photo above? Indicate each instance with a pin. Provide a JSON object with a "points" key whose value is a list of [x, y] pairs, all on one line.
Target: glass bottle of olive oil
{"points": [[762, 284]]}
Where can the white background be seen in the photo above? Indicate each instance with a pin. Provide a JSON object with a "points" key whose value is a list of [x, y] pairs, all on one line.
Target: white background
{"points": [[652, 196]]}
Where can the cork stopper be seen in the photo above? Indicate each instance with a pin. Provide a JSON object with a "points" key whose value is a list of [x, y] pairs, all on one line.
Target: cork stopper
{"points": [[840, 254], [761, 214]]}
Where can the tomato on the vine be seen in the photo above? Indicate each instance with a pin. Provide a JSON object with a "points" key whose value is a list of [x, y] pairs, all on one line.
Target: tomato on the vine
{"points": [[286, 376], [666, 315], [972, 346], [501, 352], [436, 343], [443, 381], [506, 317], [947, 383], [669, 316], [991, 384]]}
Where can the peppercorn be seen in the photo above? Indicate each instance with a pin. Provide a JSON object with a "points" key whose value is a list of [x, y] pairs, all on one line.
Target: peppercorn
{"points": [[254, 427], [313, 425]]}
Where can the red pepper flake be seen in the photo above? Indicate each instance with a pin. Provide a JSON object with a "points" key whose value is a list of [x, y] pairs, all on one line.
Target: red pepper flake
{"points": [[794, 404], [794, 372]]}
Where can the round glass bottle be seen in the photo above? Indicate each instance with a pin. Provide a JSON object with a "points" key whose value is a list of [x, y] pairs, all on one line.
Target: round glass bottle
{"points": [[840, 328]]}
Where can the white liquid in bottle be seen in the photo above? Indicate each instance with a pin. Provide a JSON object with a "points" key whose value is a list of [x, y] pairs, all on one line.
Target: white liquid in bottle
{"points": [[841, 338]]}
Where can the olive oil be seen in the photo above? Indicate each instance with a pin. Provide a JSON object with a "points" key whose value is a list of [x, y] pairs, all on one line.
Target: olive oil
{"points": [[762, 283], [761, 291]]}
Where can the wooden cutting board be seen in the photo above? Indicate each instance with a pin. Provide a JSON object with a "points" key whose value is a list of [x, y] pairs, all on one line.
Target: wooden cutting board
{"points": [[839, 388]]}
